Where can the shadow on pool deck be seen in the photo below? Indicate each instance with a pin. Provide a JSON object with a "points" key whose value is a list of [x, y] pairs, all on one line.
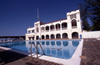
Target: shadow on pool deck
{"points": [[13, 58], [91, 51], [9, 56]]}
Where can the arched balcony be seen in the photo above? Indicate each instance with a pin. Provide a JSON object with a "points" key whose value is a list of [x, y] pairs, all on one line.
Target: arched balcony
{"points": [[74, 23], [74, 35], [42, 29], [58, 26], [47, 36], [47, 28], [52, 36], [58, 36], [37, 37], [42, 36], [52, 27], [64, 35], [64, 25]]}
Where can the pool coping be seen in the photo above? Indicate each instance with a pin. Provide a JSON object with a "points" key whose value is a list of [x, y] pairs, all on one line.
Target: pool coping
{"points": [[75, 59]]}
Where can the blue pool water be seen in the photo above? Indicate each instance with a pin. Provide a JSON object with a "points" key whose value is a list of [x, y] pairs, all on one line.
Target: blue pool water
{"points": [[63, 49]]}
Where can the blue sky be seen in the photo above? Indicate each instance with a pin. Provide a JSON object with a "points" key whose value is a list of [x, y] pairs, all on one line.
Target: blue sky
{"points": [[17, 15]]}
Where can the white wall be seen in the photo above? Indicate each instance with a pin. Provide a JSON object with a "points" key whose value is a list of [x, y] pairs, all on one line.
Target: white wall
{"points": [[92, 34]]}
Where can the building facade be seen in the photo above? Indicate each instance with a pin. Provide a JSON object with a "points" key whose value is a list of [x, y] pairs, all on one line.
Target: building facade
{"points": [[68, 28]]}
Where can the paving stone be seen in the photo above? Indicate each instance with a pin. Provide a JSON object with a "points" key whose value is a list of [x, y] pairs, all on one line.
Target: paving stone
{"points": [[92, 52], [89, 63]]}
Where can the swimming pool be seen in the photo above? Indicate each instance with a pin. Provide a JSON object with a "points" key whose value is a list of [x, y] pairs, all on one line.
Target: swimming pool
{"points": [[63, 49]]}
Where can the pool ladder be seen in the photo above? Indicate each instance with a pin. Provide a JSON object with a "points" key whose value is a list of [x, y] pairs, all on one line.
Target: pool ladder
{"points": [[36, 47]]}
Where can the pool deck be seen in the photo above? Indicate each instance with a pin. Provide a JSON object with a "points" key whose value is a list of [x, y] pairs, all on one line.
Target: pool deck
{"points": [[13, 58], [91, 52]]}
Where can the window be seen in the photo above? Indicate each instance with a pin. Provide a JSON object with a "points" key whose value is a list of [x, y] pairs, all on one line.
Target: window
{"points": [[29, 31], [73, 16], [32, 31], [36, 25]]}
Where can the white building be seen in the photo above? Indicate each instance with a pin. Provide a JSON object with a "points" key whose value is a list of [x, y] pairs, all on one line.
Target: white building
{"points": [[68, 28]]}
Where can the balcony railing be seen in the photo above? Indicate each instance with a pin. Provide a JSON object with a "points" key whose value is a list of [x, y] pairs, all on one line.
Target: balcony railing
{"points": [[64, 28], [52, 29], [74, 27], [57, 29], [47, 30]]}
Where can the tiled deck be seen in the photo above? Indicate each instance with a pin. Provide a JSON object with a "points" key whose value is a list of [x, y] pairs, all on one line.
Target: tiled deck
{"points": [[91, 50]]}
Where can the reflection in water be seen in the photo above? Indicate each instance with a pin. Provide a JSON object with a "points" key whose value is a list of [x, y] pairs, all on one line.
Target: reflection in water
{"points": [[66, 54], [60, 49], [48, 52], [59, 53], [43, 42], [75, 43], [58, 43], [54, 52], [47, 42], [52, 43], [65, 43]]}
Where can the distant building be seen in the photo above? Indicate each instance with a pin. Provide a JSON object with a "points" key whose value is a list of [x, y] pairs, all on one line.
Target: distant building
{"points": [[67, 28]]}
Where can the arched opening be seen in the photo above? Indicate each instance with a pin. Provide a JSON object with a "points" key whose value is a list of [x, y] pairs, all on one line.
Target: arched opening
{"points": [[64, 35], [58, 36], [32, 38], [52, 36], [42, 36], [74, 23], [64, 25], [37, 37], [29, 38], [47, 28], [57, 26], [74, 35], [37, 29], [42, 29], [52, 27], [47, 36]]}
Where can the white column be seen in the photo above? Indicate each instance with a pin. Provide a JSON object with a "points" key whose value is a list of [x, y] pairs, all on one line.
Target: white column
{"points": [[55, 36], [31, 38], [44, 29], [49, 36], [70, 35], [61, 35], [69, 25], [44, 36]]}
